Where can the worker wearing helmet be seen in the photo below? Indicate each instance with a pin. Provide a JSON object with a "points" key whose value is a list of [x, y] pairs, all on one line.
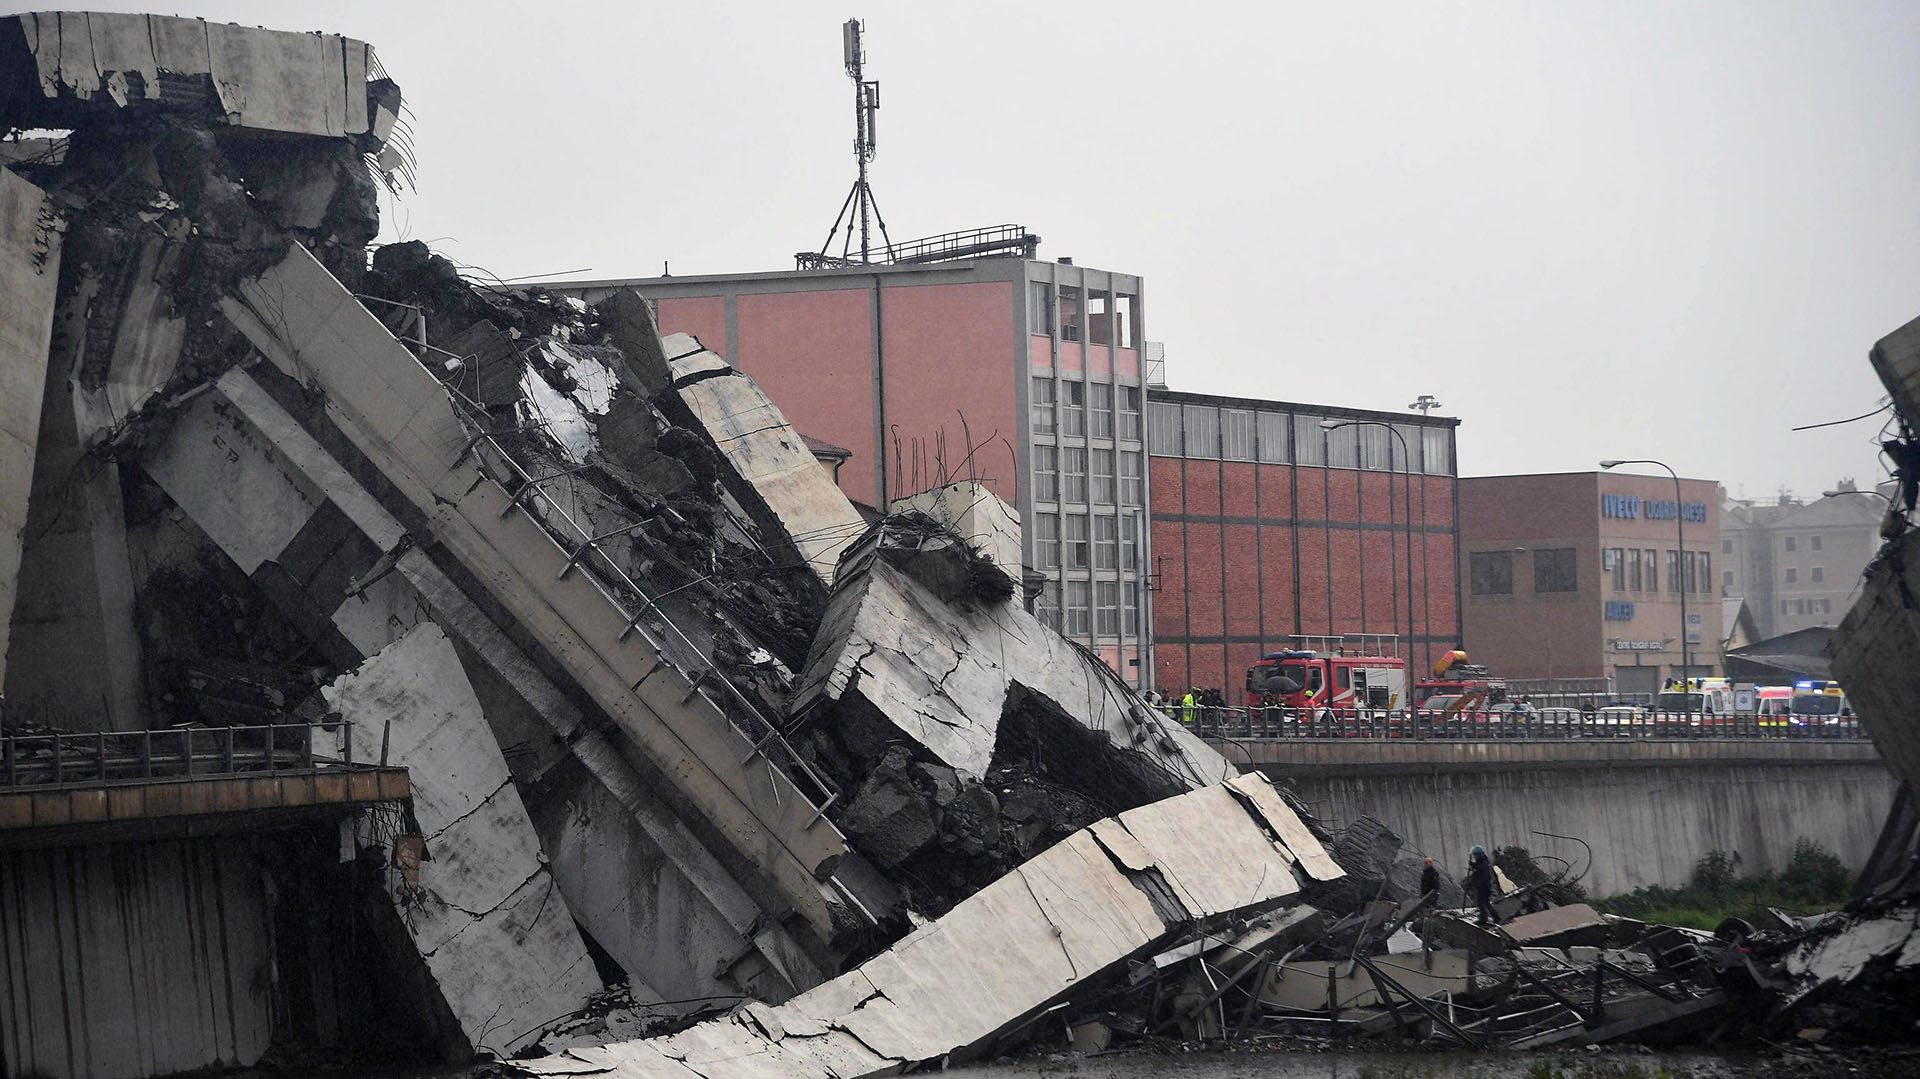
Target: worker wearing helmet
{"points": [[1188, 704]]}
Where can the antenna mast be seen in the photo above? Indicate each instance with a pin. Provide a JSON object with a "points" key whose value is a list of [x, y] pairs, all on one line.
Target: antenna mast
{"points": [[866, 103]]}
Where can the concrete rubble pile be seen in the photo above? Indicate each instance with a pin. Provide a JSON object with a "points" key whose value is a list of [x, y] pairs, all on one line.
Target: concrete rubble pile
{"points": [[678, 721]]}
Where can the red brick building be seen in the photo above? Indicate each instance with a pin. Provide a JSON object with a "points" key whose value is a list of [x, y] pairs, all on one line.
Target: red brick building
{"points": [[1267, 525], [1576, 578]]}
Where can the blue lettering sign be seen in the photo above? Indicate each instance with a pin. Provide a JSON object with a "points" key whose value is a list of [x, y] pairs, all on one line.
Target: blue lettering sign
{"points": [[1626, 506], [1630, 507], [1619, 611]]}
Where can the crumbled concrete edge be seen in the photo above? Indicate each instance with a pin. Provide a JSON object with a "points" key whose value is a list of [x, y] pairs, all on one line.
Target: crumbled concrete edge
{"points": [[946, 991]]}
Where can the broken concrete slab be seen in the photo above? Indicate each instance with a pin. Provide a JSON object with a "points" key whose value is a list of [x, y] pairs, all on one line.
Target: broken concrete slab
{"points": [[682, 723], [982, 520], [774, 477], [29, 274], [1560, 927], [1061, 921], [266, 80], [483, 909], [942, 674]]}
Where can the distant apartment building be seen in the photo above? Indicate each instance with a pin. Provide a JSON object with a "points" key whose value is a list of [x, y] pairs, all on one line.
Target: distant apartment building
{"points": [[1797, 563], [1579, 579]]}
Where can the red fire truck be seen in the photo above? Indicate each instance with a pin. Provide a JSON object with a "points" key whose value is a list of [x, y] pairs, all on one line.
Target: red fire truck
{"points": [[1338, 679]]}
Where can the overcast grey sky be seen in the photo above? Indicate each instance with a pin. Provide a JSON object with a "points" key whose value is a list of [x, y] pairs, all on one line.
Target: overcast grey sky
{"points": [[1592, 229]]}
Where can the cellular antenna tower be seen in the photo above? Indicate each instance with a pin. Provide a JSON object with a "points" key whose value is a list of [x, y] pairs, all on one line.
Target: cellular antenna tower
{"points": [[860, 205]]}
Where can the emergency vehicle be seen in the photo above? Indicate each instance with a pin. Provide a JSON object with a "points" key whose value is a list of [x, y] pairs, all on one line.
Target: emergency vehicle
{"points": [[1710, 702], [1320, 678], [1773, 707], [1453, 676]]}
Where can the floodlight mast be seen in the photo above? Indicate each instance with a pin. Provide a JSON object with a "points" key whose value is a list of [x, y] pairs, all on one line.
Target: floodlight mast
{"points": [[866, 104]]}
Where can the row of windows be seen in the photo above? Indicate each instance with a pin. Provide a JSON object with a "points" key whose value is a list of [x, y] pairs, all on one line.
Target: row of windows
{"points": [[1634, 570], [1244, 434], [1080, 541], [1490, 573], [1090, 608], [1096, 315], [1061, 474], [1791, 543], [1816, 574], [1085, 408], [1806, 606]]}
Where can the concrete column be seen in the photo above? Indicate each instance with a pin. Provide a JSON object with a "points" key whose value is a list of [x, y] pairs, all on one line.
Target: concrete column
{"points": [[29, 273]]}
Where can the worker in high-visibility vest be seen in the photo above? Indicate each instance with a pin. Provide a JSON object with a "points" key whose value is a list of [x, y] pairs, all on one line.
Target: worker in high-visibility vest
{"points": [[1188, 704]]}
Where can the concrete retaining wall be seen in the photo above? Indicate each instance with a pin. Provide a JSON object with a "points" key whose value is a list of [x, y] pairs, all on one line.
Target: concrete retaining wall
{"points": [[1649, 810]]}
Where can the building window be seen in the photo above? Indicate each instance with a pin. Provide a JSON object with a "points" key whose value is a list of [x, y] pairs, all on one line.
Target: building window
{"points": [[1203, 430], [1123, 309], [1106, 543], [1073, 471], [1106, 608], [1726, 546], [1786, 607], [1613, 561], [1271, 427], [1436, 451], [1491, 573], [1079, 608], [1376, 446], [1131, 483], [1814, 542], [1726, 578], [1633, 569], [1236, 434], [1070, 312], [1103, 477], [1099, 317], [1407, 444], [1075, 541], [1040, 308], [1793, 575], [1703, 577], [1047, 606], [1674, 576], [1306, 440], [1130, 413], [1817, 574], [1046, 540], [1041, 406], [1130, 542], [1163, 431], [1791, 543], [1653, 572], [1130, 609], [1343, 447], [1553, 570], [1102, 409], [1073, 408], [1046, 473]]}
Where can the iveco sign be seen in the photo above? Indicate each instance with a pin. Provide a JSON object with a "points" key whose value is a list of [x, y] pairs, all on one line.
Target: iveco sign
{"points": [[1633, 507]]}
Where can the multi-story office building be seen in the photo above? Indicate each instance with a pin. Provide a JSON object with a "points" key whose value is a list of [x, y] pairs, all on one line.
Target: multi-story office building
{"points": [[1797, 564], [1579, 578], [1267, 526]]}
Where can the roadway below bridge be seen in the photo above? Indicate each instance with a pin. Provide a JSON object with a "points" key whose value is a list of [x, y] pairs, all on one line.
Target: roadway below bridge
{"points": [[1649, 808]]}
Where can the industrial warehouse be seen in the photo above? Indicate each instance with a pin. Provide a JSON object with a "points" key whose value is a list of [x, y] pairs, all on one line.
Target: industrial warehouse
{"points": [[698, 677]]}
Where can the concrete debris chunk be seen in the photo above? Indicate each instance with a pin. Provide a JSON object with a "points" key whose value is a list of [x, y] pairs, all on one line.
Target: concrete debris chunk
{"points": [[1006, 954], [482, 906]]}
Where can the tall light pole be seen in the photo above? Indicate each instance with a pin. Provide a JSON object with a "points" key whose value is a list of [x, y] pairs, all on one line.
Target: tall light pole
{"points": [[1406, 468], [1680, 567]]}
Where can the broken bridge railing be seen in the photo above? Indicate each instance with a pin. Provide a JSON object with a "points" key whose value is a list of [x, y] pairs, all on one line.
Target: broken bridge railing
{"points": [[638, 610], [90, 758]]}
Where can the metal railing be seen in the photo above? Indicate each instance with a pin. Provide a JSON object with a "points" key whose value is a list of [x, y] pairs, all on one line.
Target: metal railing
{"points": [[92, 758], [1545, 725], [634, 605], [966, 243]]}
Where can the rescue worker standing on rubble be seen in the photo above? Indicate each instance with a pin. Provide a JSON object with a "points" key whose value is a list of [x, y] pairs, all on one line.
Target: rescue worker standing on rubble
{"points": [[1479, 883], [1429, 883]]}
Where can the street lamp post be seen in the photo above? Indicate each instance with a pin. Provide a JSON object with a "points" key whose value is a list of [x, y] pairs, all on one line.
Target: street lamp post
{"points": [[1406, 470], [1679, 567]]}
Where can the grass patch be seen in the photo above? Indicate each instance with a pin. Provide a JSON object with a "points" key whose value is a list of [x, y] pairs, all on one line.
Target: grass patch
{"points": [[1815, 880]]}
